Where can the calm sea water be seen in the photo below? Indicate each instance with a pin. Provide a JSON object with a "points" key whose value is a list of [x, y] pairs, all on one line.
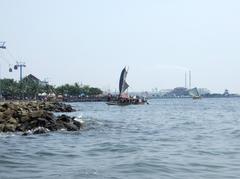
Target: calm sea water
{"points": [[167, 139]]}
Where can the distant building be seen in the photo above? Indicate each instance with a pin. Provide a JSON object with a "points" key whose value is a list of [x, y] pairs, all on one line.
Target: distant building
{"points": [[33, 78], [177, 92], [203, 91], [226, 93]]}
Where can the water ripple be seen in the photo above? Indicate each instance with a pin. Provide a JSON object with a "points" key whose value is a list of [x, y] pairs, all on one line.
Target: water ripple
{"points": [[167, 139]]}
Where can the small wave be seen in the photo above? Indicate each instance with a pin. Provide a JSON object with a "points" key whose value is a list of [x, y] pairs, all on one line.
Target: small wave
{"points": [[80, 119], [8, 134]]}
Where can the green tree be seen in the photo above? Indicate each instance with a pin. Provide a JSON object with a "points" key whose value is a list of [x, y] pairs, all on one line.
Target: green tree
{"points": [[9, 88]]}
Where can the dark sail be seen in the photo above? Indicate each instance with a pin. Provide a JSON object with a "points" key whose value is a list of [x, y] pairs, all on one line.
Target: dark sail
{"points": [[123, 86]]}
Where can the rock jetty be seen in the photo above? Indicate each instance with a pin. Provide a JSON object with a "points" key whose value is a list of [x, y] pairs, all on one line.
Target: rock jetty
{"points": [[49, 106], [36, 117]]}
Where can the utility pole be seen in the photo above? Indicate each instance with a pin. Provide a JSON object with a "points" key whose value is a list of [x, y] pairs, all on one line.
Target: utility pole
{"points": [[20, 65]]}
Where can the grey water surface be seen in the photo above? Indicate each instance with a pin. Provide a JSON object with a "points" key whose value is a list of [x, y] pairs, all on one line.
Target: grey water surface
{"points": [[172, 139]]}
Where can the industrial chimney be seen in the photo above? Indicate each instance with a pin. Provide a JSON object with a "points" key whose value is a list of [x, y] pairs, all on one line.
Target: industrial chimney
{"points": [[185, 79], [190, 79]]}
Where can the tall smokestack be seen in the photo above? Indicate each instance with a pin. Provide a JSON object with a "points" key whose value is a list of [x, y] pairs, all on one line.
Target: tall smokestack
{"points": [[190, 79], [185, 79]]}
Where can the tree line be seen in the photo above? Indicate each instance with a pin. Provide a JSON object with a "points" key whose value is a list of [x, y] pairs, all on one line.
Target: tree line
{"points": [[11, 89]]}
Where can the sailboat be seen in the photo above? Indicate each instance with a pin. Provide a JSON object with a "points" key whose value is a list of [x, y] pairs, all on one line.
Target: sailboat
{"points": [[194, 93], [123, 98]]}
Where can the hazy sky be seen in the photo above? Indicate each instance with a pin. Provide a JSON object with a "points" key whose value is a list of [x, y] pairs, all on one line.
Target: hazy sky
{"points": [[90, 41]]}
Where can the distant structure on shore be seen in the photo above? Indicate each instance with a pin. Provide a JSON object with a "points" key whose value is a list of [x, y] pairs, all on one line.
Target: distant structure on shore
{"points": [[182, 92], [33, 78]]}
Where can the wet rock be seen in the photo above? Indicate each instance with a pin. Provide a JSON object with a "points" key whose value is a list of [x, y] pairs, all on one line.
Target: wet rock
{"points": [[26, 133], [70, 127], [77, 123], [64, 118], [52, 126], [68, 123], [40, 130], [23, 127]]}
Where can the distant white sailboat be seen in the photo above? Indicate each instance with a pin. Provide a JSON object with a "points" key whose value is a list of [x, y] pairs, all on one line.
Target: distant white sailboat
{"points": [[194, 93]]}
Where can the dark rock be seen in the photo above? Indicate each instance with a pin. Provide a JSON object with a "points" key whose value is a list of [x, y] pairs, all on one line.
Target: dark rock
{"points": [[5, 105], [64, 118], [2, 109], [9, 106], [52, 126], [49, 116], [70, 127], [32, 124], [41, 122], [23, 127], [77, 123], [60, 125], [26, 133], [24, 118]]}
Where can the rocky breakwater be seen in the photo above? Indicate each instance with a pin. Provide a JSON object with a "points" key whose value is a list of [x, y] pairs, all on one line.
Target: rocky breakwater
{"points": [[36, 118], [50, 106]]}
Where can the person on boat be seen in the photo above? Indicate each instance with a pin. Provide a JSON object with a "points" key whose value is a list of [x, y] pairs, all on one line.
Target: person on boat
{"points": [[109, 98]]}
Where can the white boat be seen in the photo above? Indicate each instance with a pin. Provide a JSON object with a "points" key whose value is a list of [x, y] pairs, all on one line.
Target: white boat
{"points": [[194, 93]]}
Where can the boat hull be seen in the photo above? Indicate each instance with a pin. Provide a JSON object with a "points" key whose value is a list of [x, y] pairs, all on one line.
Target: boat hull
{"points": [[117, 103], [197, 97]]}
